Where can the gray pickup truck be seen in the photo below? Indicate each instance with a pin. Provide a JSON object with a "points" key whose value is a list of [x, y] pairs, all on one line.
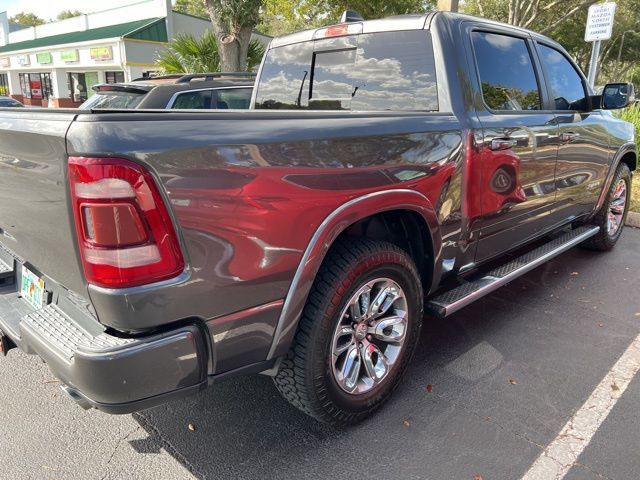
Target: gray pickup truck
{"points": [[387, 169]]}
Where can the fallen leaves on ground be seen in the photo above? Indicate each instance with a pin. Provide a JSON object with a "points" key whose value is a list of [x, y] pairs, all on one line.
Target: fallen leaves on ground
{"points": [[429, 388], [513, 381], [615, 387]]}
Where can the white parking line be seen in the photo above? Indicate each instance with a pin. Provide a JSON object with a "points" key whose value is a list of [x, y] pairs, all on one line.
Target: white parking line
{"points": [[561, 454]]}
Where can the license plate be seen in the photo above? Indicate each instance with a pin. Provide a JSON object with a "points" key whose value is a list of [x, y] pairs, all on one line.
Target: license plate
{"points": [[32, 288]]}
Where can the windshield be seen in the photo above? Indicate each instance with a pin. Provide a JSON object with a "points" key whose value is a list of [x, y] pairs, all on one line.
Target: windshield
{"points": [[113, 100], [9, 102]]}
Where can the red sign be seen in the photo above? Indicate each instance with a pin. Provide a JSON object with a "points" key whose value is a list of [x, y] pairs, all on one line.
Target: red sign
{"points": [[36, 88]]}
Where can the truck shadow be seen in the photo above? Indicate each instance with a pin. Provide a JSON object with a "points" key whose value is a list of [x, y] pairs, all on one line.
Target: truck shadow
{"points": [[242, 428]]}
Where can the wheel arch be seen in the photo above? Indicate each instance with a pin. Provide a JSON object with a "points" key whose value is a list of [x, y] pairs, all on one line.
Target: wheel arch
{"points": [[412, 208], [626, 154]]}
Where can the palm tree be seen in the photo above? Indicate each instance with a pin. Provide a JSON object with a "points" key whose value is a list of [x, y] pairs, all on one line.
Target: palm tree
{"points": [[187, 54]]}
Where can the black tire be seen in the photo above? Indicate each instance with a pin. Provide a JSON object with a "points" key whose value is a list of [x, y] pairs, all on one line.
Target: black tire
{"points": [[604, 240], [305, 377]]}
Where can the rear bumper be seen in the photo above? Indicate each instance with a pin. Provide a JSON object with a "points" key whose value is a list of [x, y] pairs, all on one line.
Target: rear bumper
{"points": [[113, 374]]}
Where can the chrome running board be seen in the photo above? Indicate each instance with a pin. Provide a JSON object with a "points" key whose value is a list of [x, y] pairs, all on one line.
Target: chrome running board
{"points": [[453, 300]]}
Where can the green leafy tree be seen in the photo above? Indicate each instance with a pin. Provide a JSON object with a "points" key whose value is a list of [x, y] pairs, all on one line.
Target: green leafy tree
{"points": [[285, 16], [233, 22], [568, 29], [63, 15], [26, 19], [187, 54], [543, 16], [196, 8]]}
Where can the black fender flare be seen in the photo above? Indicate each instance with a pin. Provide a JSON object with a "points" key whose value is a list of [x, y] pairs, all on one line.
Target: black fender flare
{"points": [[622, 151], [328, 231]]}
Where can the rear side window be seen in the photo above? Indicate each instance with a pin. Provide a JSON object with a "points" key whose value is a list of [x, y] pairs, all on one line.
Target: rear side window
{"points": [[384, 71], [506, 71], [566, 84], [198, 100], [234, 98]]}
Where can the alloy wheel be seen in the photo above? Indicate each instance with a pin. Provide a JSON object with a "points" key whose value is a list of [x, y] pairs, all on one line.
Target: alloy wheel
{"points": [[369, 337]]}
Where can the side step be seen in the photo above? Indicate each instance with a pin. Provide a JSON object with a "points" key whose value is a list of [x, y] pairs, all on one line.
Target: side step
{"points": [[453, 300]]}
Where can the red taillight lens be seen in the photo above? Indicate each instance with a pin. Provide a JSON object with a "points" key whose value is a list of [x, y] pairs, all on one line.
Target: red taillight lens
{"points": [[125, 234]]}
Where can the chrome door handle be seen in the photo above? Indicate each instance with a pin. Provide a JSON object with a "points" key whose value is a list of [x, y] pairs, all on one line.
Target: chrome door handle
{"points": [[503, 143], [567, 137]]}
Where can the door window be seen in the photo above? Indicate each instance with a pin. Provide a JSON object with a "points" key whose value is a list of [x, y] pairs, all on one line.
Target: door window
{"points": [[506, 71], [198, 100], [78, 87], [234, 98], [566, 84]]}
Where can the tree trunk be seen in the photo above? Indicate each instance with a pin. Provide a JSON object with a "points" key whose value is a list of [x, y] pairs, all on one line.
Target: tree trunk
{"points": [[233, 33]]}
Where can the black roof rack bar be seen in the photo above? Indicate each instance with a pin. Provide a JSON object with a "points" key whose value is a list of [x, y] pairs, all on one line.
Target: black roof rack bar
{"points": [[159, 77], [214, 75]]}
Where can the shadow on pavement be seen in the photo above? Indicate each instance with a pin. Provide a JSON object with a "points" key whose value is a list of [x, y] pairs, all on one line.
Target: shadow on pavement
{"points": [[477, 419]]}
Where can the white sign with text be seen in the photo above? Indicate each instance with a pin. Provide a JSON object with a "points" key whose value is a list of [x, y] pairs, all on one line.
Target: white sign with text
{"points": [[600, 22]]}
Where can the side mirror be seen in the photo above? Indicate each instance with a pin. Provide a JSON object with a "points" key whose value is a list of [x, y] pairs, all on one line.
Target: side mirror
{"points": [[617, 95]]}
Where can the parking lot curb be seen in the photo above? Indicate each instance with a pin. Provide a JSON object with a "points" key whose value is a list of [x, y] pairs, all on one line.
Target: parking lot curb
{"points": [[633, 219]]}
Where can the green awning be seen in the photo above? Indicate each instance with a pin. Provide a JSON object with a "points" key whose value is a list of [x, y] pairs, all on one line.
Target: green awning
{"points": [[153, 29]]}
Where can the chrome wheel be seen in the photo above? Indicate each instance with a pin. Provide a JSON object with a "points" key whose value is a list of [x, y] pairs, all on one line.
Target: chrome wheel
{"points": [[369, 336], [617, 207]]}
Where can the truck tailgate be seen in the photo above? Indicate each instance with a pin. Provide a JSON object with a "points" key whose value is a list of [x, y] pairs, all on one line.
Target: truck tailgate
{"points": [[35, 222]]}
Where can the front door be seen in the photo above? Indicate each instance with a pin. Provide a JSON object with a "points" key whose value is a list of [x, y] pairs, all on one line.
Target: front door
{"points": [[583, 158], [517, 158]]}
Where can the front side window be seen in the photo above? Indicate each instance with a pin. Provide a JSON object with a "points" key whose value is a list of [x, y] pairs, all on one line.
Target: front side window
{"points": [[384, 71], [506, 71], [566, 84]]}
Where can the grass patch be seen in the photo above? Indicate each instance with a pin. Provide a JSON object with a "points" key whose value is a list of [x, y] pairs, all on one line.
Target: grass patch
{"points": [[635, 193]]}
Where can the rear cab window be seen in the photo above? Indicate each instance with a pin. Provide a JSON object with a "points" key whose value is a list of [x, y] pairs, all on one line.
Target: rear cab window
{"points": [[382, 71]]}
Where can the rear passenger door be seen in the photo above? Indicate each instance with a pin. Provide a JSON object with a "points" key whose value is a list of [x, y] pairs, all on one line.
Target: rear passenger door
{"points": [[517, 157], [583, 157]]}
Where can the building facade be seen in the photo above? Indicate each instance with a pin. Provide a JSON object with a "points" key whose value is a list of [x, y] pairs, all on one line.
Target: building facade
{"points": [[57, 64]]}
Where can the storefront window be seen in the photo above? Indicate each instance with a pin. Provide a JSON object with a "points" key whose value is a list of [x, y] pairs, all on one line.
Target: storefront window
{"points": [[4, 84], [24, 85], [35, 85], [114, 77]]}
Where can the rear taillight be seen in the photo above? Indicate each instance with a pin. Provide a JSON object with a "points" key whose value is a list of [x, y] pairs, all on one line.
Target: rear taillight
{"points": [[125, 234]]}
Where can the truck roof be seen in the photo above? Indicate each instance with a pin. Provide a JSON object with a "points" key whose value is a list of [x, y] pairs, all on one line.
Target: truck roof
{"points": [[400, 22]]}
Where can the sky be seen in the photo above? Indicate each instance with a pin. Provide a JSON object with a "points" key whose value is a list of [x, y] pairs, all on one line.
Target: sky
{"points": [[49, 9]]}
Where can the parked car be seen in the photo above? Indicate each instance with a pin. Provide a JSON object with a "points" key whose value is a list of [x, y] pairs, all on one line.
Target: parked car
{"points": [[388, 168], [202, 91], [9, 102]]}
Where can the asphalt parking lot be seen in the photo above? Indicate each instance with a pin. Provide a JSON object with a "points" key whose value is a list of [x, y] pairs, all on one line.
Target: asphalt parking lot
{"points": [[505, 376]]}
